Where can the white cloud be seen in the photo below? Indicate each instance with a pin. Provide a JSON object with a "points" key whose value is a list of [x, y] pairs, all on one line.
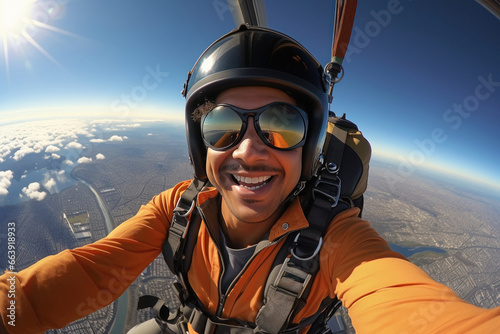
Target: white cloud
{"points": [[61, 176], [105, 121], [52, 149], [68, 162], [100, 156], [97, 141], [18, 140], [4, 151], [50, 184], [38, 147], [21, 153], [115, 138], [55, 156], [5, 177], [74, 144], [112, 138], [33, 191], [84, 160]]}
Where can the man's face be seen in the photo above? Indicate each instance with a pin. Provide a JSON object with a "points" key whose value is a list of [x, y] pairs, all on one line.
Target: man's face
{"points": [[253, 178]]}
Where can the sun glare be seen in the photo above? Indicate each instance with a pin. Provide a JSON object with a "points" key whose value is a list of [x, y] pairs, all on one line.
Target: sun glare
{"points": [[20, 22], [14, 16]]}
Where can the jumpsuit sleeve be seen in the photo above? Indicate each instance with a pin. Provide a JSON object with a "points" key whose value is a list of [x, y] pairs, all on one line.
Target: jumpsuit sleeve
{"points": [[67, 286], [385, 293]]}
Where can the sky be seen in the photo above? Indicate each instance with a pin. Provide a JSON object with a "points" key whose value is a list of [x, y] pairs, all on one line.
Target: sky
{"points": [[422, 77]]}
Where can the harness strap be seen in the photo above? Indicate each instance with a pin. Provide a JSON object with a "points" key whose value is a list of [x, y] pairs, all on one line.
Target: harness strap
{"points": [[169, 318], [173, 250], [282, 298], [201, 323], [336, 152], [288, 293], [156, 303]]}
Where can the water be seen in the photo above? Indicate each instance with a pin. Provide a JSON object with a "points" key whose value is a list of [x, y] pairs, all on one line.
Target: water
{"points": [[409, 251], [122, 304]]}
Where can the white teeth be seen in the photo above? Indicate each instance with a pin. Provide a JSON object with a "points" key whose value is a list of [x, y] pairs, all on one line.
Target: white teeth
{"points": [[252, 180]]}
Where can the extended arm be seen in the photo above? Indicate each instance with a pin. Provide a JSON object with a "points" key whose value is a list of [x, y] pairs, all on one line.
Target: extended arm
{"points": [[74, 283], [385, 293]]}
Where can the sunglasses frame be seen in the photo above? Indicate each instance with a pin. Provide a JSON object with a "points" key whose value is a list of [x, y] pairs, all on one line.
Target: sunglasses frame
{"points": [[244, 114]]}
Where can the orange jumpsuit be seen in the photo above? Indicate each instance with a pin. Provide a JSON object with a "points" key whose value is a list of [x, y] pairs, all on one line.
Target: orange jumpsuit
{"points": [[382, 290]]}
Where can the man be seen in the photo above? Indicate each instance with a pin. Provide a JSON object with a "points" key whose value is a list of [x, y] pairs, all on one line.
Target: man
{"points": [[256, 113]]}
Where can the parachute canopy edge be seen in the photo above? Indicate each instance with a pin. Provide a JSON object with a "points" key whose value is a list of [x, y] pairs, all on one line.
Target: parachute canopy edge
{"points": [[493, 6], [251, 12]]}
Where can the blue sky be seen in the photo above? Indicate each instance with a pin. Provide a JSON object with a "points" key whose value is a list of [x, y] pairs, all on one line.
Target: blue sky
{"points": [[422, 78]]}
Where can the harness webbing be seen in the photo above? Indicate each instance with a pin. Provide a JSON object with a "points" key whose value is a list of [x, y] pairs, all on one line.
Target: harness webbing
{"points": [[288, 293], [344, 20], [173, 250]]}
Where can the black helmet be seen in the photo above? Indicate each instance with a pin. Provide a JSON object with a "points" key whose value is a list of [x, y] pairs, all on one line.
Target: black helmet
{"points": [[255, 56]]}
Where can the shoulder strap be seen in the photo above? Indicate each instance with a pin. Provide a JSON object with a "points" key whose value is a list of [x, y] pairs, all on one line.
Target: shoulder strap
{"points": [[287, 294], [173, 248]]}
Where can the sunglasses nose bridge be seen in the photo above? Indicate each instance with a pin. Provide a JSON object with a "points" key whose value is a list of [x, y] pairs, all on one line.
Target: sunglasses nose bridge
{"points": [[248, 118], [251, 125], [251, 146]]}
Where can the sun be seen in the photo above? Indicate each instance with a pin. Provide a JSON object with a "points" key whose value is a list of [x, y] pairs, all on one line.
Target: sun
{"points": [[15, 16], [20, 22]]}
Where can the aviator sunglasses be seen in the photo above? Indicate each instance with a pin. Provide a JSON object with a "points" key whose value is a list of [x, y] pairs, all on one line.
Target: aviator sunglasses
{"points": [[280, 125]]}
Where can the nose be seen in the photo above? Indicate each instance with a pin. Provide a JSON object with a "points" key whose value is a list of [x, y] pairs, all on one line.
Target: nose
{"points": [[251, 148]]}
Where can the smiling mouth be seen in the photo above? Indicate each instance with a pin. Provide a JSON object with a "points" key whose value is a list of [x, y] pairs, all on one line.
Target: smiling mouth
{"points": [[251, 183]]}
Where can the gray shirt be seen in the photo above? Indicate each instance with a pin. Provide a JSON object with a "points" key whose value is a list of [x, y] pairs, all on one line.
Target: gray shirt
{"points": [[234, 260]]}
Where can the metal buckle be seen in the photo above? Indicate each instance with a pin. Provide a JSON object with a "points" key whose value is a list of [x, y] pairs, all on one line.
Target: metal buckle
{"points": [[333, 196], [316, 251], [180, 222], [332, 70], [176, 210], [287, 274]]}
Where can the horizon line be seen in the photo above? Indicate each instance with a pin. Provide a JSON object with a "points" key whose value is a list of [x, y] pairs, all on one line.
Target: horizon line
{"points": [[489, 183]]}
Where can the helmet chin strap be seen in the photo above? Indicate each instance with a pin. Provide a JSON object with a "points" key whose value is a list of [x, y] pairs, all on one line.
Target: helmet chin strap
{"points": [[294, 193], [298, 188]]}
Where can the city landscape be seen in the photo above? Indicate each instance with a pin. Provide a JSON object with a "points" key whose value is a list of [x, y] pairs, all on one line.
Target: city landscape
{"points": [[450, 232], [425, 211]]}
